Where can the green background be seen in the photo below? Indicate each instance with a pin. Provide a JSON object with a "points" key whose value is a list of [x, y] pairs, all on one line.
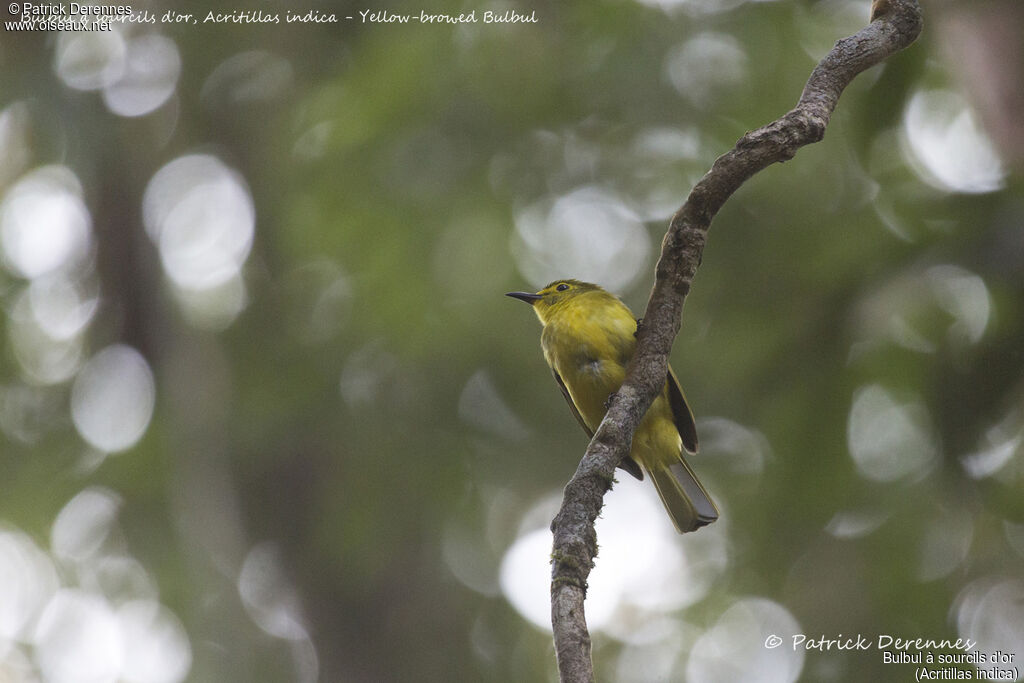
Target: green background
{"points": [[336, 466]]}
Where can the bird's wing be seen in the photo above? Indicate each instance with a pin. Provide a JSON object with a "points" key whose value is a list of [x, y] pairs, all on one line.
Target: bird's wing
{"points": [[572, 404], [627, 463], [681, 413]]}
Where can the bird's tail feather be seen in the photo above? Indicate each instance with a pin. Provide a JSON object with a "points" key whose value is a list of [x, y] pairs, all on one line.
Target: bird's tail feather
{"points": [[685, 499]]}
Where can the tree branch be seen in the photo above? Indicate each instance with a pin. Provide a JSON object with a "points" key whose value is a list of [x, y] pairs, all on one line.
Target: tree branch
{"points": [[895, 24]]}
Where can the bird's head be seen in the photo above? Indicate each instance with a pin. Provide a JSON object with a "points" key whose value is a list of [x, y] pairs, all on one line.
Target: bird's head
{"points": [[557, 296]]}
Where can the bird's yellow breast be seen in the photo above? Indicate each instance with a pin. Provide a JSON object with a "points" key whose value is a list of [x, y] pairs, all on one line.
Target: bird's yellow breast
{"points": [[588, 341]]}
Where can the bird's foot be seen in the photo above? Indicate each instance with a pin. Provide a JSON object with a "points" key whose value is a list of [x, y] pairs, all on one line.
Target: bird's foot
{"points": [[608, 401]]}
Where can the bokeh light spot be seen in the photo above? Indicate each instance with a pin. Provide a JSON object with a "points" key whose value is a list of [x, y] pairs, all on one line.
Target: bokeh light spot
{"points": [[366, 374], [27, 413], [89, 60], [201, 216], [84, 523], [252, 76], [27, 580], [990, 611], [643, 570], [733, 649], [44, 224], [117, 577], [946, 146], [469, 559], [697, 7], [588, 234], [43, 359], [267, 594], [742, 450], [60, 308], [156, 646], [112, 399], [655, 653], [482, 406], [945, 544], [319, 295], [525, 578], [889, 440], [152, 67], [706, 66], [855, 523], [214, 308], [15, 149], [78, 639], [994, 457], [964, 296]]}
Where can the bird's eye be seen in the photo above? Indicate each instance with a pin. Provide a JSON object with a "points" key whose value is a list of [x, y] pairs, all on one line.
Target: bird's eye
{"points": [[562, 287]]}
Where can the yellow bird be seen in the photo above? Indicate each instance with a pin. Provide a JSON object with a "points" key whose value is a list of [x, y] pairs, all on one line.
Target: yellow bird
{"points": [[588, 338]]}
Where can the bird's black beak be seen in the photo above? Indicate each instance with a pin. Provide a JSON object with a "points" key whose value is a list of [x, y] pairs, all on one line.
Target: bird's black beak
{"points": [[525, 296]]}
